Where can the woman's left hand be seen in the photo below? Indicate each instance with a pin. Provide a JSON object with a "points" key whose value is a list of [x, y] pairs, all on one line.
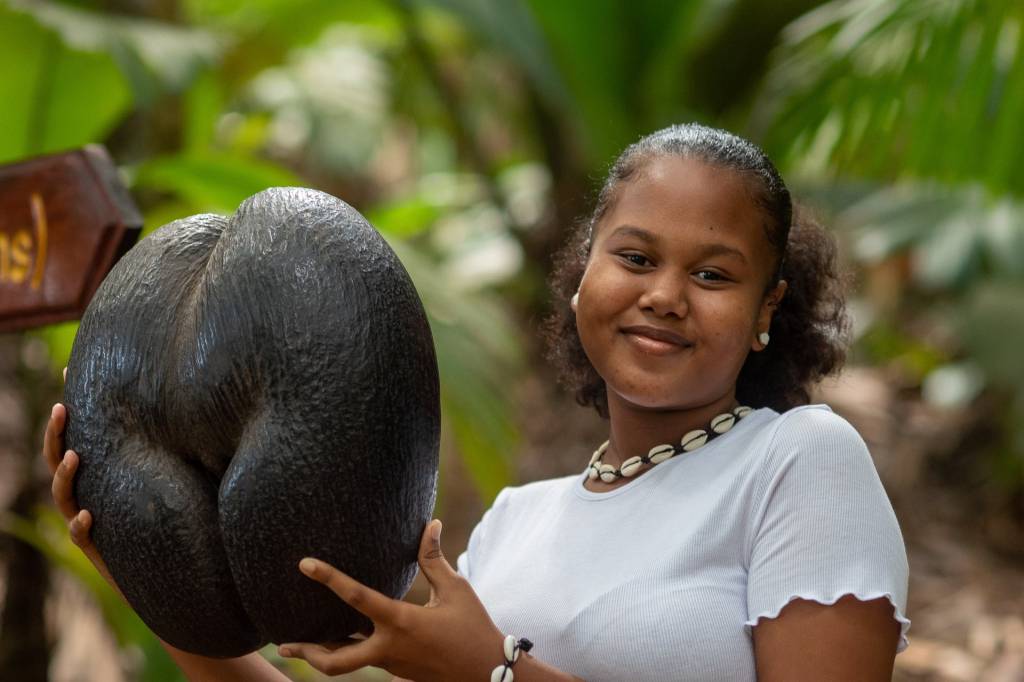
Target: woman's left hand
{"points": [[449, 638]]}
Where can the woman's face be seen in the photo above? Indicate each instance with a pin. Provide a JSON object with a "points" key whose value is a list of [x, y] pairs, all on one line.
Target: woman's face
{"points": [[673, 296]]}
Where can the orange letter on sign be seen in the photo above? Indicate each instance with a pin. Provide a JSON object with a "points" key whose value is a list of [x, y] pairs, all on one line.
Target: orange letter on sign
{"points": [[21, 256], [39, 220]]}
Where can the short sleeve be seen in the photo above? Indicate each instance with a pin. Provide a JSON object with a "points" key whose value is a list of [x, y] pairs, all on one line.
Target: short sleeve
{"points": [[822, 526], [477, 539]]}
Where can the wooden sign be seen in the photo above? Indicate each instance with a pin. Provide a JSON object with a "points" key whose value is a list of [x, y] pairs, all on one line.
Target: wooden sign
{"points": [[64, 221]]}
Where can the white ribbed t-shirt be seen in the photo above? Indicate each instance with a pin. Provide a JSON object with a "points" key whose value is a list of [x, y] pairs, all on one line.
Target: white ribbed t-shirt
{"points": [[662, 578]]}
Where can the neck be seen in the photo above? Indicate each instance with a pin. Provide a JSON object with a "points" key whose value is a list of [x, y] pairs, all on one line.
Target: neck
{"points": [[635, 430]]}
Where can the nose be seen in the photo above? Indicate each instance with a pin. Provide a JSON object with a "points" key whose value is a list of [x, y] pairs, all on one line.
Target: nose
{"points": [[665, 295]]}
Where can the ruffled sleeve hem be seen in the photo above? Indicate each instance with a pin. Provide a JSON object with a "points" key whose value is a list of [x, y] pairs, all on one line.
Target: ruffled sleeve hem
{"points": [[868, 596]]}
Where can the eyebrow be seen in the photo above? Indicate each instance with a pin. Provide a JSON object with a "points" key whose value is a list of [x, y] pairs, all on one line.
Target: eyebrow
{"points": [[706, 250], [633, 231], [719, 249]]}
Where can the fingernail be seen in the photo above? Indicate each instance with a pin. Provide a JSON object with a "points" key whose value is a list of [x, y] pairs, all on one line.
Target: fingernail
{"points": [[435, 530], [307, 566], [53, 411], [284, 651]]}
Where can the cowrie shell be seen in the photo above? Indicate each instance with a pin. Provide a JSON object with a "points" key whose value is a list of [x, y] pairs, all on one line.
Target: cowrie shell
{"points": [[511, 652], [592, 472], [502, 674], [608, 473], [631, 466], [723, 422], [742, 411], [694, 439], [659, 453]]}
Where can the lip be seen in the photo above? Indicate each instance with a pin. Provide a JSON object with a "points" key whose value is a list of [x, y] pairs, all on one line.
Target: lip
{"points": [[655, 340]]}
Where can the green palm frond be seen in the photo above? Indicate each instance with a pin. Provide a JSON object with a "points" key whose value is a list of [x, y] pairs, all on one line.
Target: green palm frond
{"points": [[155, 57], [890, 89], [955, 236]]}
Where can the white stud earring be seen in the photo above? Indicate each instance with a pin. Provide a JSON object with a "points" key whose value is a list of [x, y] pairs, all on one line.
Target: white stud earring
{"points": [[763, 338], [575, 300]]}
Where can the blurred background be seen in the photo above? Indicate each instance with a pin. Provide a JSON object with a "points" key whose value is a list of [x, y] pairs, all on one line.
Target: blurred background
{"points": [[472, 133]]}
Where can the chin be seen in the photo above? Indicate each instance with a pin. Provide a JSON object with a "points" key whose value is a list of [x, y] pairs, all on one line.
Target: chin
{"points": [[651, 403], [668, 399]]}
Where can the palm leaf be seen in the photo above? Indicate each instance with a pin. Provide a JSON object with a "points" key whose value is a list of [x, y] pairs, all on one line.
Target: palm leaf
{"points": [[154, 56], [900, 88], [54, 96], [955, 237]]}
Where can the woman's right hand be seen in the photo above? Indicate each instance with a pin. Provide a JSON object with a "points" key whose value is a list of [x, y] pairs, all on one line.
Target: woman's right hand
{"points": [[63, 466]]}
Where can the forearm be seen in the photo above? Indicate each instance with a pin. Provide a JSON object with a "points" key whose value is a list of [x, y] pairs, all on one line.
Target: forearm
{"points": [[249, 668], [526, 669], [530, 669]]}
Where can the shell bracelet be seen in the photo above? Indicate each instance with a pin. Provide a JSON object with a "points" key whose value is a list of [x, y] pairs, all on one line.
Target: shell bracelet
{"points": [[659, 453], [510, 648]]}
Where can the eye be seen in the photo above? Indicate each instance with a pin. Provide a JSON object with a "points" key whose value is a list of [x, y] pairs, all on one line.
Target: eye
{"points": [[710, 276], [637, 259]]}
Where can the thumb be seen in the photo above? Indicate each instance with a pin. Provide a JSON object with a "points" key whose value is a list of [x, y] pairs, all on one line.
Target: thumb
{"points": [[431, 559]]}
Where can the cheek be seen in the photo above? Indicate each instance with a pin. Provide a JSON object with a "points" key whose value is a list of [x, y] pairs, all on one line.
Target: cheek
{"points": [[732, 326], [589, 338], [604, 294]]}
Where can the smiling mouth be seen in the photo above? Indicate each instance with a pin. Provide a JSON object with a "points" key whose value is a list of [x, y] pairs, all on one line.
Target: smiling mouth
{"points": [[656, 341]]}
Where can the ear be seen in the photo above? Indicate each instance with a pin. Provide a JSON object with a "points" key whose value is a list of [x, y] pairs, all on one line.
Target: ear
{"points": [[764, 316]]}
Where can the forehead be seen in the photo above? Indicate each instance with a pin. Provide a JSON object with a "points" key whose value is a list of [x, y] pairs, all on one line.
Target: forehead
{"points": [[679, 198]]}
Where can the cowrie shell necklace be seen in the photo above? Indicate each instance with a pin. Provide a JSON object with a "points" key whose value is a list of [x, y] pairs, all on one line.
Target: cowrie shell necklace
{"points": [[659, 453]]}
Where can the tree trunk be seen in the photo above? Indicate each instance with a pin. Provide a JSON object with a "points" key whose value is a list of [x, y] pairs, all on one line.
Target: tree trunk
{"points": [[24, 645]]}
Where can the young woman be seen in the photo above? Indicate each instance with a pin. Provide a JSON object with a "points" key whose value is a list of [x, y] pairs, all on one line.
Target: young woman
{"points": [[725, 531]]}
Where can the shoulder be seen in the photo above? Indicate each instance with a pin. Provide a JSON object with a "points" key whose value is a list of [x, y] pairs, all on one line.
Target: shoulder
{"points": [[811, 421], [813, 431], [813, 446], [811, 425], [821, 524]]}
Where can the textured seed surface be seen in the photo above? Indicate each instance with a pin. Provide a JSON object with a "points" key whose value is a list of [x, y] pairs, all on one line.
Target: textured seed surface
{"points": [[244, 392]]}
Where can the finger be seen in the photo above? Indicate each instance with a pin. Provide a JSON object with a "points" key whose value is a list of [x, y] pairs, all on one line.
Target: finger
{"points": [[326, 646], [348, 641], [344, 660], [367, 601], [53, 438], [62, 486], [79, 527], [433, 601], [435, 567]]}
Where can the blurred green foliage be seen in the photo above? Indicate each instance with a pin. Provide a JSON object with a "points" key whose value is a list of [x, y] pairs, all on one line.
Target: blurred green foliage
{"points": [[470, 131], [901, 89]]}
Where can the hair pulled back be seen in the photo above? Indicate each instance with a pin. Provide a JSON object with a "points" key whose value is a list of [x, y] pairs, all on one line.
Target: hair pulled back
{"points": [[809, 329]]}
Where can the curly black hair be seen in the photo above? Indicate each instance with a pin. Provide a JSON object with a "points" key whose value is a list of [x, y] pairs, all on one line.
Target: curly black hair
{"points": [[810, 327]]}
